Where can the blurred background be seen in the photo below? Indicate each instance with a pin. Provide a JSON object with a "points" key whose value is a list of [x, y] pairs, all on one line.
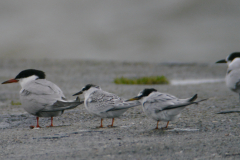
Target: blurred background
{"points": [[120, 30]]}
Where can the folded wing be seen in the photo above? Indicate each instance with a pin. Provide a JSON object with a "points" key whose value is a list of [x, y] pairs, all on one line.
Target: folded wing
{"points": [[161, 101], [101, 101], [43, 95]]}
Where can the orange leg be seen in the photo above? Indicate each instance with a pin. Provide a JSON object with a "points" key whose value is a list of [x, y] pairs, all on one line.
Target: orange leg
{"points": [[112, 123], [37, 126], [157, 125], [101, 126], [167, 124], [51, 122], [37, 123]]}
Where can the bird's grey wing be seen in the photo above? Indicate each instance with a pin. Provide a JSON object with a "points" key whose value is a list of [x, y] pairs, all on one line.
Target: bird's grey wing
{"points": [[184, 103], [60, 105], [43, 88], [121, 103], [175, 106], [158, 101], [102, 101], [41, 94]]}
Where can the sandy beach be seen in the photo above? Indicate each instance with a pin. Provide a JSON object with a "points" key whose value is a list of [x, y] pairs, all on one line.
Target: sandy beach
{"points": [[198, 134]]}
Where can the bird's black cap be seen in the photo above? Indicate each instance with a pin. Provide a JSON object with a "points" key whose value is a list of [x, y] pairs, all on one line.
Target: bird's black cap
{"points": [[30, 72]]}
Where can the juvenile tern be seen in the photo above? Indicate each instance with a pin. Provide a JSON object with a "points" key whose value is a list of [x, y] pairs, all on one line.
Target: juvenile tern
{"points": [[233, 72], [162, 106], [104, 104], [41, 97]]}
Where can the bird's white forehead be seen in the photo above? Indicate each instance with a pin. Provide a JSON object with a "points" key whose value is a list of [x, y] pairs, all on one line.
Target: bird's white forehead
{"points": [[227, 58], [140, 93]]}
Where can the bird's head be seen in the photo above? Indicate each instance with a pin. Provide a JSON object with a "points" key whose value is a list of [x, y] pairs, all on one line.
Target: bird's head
{"points": [[230, 58], [86, 88], [143, 93], [26, 76]]}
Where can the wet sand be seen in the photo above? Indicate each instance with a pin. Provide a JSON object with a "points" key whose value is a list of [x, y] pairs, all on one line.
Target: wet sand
{"points": [[198, 134]]}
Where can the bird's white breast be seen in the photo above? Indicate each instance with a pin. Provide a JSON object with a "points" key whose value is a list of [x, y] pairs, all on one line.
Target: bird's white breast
{"points": [[233, 74]]}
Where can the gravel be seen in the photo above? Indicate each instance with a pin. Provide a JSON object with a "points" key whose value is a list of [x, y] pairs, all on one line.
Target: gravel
{"points": [[199, 133]]}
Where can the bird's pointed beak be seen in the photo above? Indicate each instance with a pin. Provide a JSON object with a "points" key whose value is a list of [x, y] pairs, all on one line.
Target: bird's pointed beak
{"points": [[81, 92], [133, 99], [10, 81], [222, 61]]}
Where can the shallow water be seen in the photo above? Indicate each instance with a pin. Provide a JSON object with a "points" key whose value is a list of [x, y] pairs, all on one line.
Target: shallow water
{"points": [[195, 81]]}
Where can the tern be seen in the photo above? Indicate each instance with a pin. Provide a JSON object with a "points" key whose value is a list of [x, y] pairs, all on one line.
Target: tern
{"points": [[104, 104], [233, 72], [41, 97], [162, 106]]}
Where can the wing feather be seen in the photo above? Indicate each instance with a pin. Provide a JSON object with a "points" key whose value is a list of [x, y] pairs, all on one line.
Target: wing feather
{"points": [[39, 95], [102, 101], [157, 101]]}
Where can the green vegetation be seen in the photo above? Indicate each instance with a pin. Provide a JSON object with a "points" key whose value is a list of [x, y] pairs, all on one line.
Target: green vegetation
{"points": [[15, 103], [142, 80]]}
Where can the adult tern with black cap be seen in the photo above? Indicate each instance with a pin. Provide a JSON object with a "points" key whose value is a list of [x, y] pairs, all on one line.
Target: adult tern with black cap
{"points": [[104, 104], [162, 106], [41, 97], [233, 72]]}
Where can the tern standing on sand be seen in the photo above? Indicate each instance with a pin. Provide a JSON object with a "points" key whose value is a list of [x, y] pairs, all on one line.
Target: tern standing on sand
{"points": [[162, 106], [104, 104], [41, 97]]}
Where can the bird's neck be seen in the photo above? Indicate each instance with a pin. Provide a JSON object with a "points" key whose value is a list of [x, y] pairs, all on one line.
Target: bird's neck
{"points": [[88, 92], [235, 64], [23, 82]]}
